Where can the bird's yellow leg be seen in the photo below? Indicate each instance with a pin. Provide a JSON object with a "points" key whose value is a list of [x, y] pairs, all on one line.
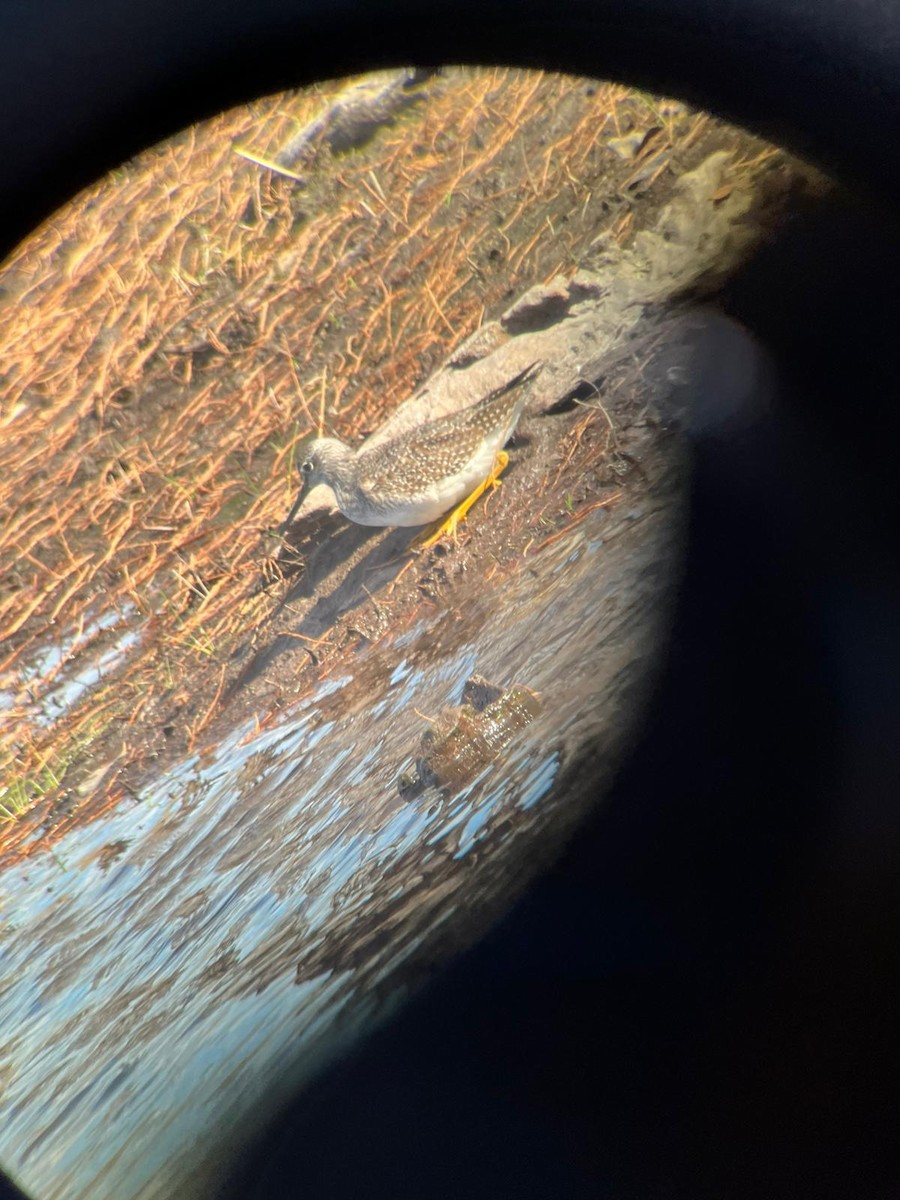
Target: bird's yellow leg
{"points": [[450, 522]]}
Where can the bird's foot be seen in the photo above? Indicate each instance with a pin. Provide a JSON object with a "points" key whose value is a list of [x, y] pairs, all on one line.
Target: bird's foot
{"points": [[449, 523]]}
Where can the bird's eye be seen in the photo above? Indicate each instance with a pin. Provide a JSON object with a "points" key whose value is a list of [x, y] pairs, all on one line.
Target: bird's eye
{"points": [[306, 467]]}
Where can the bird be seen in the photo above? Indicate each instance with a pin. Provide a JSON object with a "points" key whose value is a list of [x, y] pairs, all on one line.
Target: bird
{"points": [[437, 468]]}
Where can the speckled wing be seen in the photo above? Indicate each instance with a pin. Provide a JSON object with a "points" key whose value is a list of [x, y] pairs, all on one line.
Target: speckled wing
{"points": [[412, 463]]}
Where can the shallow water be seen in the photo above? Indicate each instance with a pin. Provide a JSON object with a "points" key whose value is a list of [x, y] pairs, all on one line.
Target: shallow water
{"points": [[177, 967], [60, 673]]}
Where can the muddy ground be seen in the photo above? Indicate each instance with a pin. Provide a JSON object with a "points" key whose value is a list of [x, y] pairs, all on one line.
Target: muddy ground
{"points": [[173, 336]]}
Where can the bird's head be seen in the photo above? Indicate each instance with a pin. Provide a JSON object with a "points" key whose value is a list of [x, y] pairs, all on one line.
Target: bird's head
{"points": [[322, 462]]}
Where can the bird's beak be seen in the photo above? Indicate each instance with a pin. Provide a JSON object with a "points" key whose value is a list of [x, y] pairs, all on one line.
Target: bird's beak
{"points": [[301, 496]]}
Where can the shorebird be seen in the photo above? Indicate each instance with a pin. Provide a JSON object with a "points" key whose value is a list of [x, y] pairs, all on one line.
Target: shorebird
{"points": [[438, 468]]}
